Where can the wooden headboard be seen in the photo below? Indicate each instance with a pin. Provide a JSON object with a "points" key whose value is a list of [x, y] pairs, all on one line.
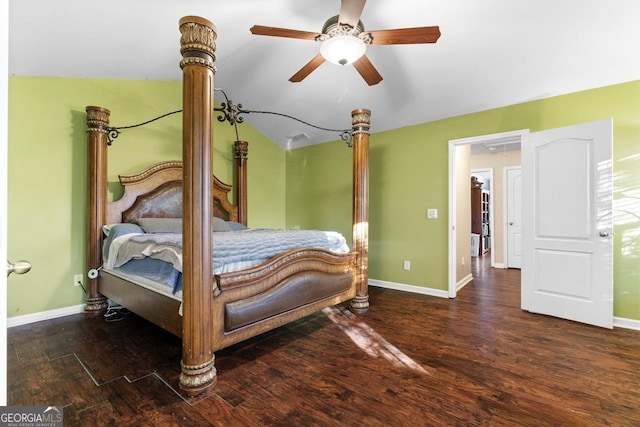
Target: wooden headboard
{"points": [[156, 192]]}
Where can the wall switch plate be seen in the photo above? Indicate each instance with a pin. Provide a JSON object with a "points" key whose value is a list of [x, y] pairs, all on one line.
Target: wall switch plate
{"points": [[432, 213], [77, 280], [407, 265]]}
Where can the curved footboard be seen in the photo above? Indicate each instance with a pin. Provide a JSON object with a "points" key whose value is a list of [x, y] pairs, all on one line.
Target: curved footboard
{"points": [[294, 292], [287, 287]]}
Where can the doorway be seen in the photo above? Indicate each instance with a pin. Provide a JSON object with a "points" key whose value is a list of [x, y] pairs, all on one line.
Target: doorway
{"points": [[461, 163], [482, 214], [567, 256]]}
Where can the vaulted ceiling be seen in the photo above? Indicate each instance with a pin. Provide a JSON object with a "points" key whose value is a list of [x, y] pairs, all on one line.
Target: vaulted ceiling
{"points": [[491, 53]]}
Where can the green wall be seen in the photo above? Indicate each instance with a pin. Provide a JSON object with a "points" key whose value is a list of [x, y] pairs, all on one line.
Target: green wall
{"points": [[47, 172], [319, 187], [409, 173]]}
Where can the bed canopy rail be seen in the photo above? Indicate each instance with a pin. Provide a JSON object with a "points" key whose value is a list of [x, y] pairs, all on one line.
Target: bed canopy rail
{"points": [[199, 302]]}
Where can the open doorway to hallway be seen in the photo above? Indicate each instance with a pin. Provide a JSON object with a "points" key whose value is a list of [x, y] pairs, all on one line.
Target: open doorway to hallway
{"points": [[481, 212], [486, 157], [482, 271]]}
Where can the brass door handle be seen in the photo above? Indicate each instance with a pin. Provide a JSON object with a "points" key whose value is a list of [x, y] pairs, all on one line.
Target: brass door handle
{"points": [[20, 267]]}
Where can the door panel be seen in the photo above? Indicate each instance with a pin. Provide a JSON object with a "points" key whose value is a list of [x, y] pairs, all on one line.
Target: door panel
{"points": [[567, 266], [563, 273], [563, 210]]}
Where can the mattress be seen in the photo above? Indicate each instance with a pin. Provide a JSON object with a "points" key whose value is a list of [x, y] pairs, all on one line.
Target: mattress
{"points": [[154, 260]]}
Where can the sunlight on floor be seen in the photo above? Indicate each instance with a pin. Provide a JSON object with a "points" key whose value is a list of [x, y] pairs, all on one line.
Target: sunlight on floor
{"points": [[369, 340]]}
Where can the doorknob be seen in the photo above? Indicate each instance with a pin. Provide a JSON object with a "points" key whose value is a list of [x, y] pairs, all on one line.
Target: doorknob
{"points": [[510, 223], [20, 267], [604, 233]]}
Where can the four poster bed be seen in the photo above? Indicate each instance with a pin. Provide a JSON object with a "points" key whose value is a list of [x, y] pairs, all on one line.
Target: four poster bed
{"points": [[214, 307]]}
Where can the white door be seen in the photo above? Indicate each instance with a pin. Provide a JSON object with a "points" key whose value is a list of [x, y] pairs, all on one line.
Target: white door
{"points": [[514, 217], [4, 101], [567, 264]]}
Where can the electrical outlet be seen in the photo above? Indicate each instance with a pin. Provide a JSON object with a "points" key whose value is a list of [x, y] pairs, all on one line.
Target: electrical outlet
{"points": [[407, 265], [462, 261], [77, 280], [432, 213]]}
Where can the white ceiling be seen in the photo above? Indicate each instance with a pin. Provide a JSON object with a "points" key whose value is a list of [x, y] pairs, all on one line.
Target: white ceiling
{"points": [[491, 53]]}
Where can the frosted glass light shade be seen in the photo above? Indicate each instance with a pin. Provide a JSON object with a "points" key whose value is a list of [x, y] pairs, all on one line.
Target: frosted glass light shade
{"points": [[342, 49]]}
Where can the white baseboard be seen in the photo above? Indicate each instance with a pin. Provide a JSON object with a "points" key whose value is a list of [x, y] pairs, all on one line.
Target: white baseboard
{"points": [[44, 315], [620, 322], [499, 265], [409, 288], [462, 283]]}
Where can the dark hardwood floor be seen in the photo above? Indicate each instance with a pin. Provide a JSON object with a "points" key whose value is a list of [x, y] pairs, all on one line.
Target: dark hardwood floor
{"points": [[413, 360]]}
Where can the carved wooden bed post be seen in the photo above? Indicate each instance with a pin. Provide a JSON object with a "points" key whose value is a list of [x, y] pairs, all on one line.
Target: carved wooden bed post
{"points": [[240, 153], [197, 46], [97, 123], [360, 131]]}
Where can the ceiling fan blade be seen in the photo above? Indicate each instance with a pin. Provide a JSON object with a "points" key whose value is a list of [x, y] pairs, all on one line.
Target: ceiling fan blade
{"points": [[367, 71], [350, 11], [307, 69], [405, 35], [261, 30]]}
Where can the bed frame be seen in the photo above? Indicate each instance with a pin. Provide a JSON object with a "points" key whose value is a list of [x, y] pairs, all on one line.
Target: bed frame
{"points": [[230, 307]]}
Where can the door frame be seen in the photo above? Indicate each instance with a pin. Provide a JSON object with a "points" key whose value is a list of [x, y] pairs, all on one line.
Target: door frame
{"points": [[453, 144]]}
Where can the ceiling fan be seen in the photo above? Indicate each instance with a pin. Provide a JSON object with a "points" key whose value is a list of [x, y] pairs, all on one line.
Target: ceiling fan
{"points": [[344, 41]]}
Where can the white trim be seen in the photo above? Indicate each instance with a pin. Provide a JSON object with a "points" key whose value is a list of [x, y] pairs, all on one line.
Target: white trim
{"points": [[515, 134], [499, 265], [620, 322], [409, 288], [462, 283], [44, 315], [452, 194], [453, 256]]}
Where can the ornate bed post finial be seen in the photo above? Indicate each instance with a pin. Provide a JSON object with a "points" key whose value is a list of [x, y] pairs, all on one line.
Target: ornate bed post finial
{"points": [[197, 45], [198, 42], [360, 131], [241, 154], [360, 121], [97, 135]]}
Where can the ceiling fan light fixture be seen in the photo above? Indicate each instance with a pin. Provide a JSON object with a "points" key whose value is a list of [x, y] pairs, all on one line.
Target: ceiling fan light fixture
{"points": [[342, 49]]}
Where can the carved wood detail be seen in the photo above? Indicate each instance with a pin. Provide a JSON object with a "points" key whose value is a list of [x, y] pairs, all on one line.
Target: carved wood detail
{"points": [[241, 154], [198, 51], [360, 130], [146, 190], [97, 122]]}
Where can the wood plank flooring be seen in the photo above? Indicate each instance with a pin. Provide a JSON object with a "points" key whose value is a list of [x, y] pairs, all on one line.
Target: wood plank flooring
{"points": [[413, 360]]}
